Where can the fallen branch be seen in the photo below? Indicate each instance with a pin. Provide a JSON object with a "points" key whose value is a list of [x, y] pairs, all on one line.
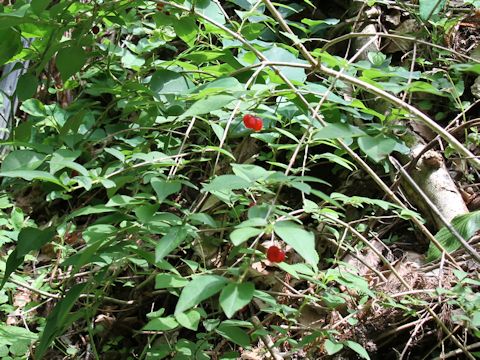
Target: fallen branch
{"points": [[435, 210]]}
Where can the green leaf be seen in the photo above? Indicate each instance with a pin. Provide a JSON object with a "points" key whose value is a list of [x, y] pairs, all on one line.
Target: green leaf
{"points": [[29, 239], [165, 281], [234, 334], [22, 160], [99, 232], [239, 236], [289, 269], [253, 31], [16, 17], [85, 256], [17, 218], [424, 87], [58, 319], [220, 150], [59, 162], [116, 153], [10, 44], [349, 280], [358, 201], [200, 288], [338, 130], [321, 91], [217, 129], [208, 8], [266, 298], [73, 123], [250, 172], [377, 148], [202, 218], [22, 133], [132, 61], [235, 296], [205, 56], [466, 225], [15, 335], [172, 239], [34, 107], [169, 82], [189, 319], [26, 86], [89, 210], [476, 319], [358, 349], [5, 202], [186, 29], [337, 159], [282, 55], [256, 217], [159, 352], [30, 175], [207, 105], [161, 324], [39, 5], [430, 8], [302, 241], [301, 186], [219, 86], [145, 213], [377, 58], [227, 182], [84, 181], [164, 188], [332, 347], [70, 60], [123, 201]]}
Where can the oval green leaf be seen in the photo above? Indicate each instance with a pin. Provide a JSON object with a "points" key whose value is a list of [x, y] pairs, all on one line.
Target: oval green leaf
{"points": [[200, 288], [302, 241], [235, 296]]}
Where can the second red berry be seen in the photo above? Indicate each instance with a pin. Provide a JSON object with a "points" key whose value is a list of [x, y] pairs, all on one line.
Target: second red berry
{"points": [[252, 122], [275, 254]]}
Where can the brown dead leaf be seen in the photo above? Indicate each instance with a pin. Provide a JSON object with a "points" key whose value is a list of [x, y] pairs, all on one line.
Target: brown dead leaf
{"points": [[257, 353], [312, 318], [362, 261], [464, 37], [20, 299], [423, 130]]}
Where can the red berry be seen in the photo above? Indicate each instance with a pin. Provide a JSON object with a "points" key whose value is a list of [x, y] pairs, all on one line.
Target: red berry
{"points": [[275, 254], [258, 124], [252, 122], [95, 30], [248, 121]]}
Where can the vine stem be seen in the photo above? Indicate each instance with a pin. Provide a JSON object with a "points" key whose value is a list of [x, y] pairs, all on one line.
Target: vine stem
{"points": [[437, 212], [58, 297], [349, 36], [266, 339]]}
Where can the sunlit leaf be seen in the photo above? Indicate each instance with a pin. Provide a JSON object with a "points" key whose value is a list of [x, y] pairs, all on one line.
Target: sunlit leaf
{"points": [[200, 288], [302, 241]]}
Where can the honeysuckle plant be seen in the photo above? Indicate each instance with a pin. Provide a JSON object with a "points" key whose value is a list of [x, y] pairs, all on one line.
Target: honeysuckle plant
{"points": [[142, 215]]}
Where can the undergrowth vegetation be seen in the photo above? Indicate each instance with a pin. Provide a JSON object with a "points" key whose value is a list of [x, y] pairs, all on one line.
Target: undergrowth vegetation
{"points": [[217, 180]]}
